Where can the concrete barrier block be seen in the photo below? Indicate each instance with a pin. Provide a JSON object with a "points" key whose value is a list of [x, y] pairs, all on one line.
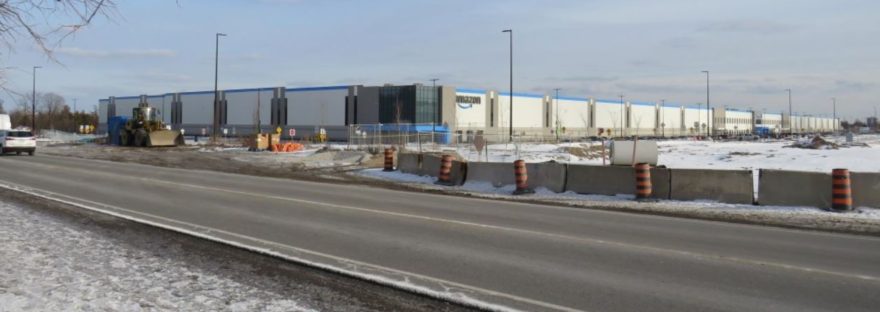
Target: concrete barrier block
{"points": [[408, 163], [550, 175], [794, 188], [430, 165], [613, 180], [498, 174], [865, 189], [726, 186]]}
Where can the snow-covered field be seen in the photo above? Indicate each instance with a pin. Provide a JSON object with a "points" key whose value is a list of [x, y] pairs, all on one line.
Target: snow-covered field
{"points": [[766, 154]]}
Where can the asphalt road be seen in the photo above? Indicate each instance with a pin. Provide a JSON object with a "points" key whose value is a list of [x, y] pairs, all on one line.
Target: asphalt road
{"points": [[491, 253]]}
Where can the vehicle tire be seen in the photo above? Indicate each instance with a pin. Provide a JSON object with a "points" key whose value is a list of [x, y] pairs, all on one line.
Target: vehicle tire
{"points": [[17, 153], [31, 153], [140, 138], [124, 139]]}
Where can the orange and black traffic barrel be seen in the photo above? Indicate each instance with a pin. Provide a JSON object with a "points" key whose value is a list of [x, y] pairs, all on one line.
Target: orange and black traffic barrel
{"points": [[522, 178], [444, 177], [643, 182], [389, 159], [841, 193]]}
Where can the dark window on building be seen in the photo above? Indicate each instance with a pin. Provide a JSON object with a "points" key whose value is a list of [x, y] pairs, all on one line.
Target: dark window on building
{"points": [[409, 104]]}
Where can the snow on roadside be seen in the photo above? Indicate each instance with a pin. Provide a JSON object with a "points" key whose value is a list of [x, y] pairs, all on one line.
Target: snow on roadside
{"points": [[48, 265], [691, 154], [625, 201]]}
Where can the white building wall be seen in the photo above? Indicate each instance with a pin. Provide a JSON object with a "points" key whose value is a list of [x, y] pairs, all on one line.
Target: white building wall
{"points": [[316, 106], [671, 118], [608, 115], [692, 116], [573, 114], [528, 111], [642, 119], [737, 121], [471, 115]]}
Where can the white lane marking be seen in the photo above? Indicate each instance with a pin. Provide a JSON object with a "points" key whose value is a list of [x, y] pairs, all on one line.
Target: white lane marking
{"points": [[585, 240], [454, 297]]}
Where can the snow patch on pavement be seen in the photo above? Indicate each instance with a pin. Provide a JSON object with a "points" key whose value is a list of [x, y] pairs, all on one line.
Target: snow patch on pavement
{"points": [[47, 265]]}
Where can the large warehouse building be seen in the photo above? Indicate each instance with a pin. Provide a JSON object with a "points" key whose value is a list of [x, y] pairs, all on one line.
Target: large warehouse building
{"points": [[461, 111]]}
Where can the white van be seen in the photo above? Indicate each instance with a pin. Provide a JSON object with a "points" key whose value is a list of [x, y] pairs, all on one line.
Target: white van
{"points": [[17, 141]]}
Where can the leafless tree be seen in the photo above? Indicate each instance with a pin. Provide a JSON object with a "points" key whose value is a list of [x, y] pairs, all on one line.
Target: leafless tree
{"points": [[46, 23], [53, 105]]}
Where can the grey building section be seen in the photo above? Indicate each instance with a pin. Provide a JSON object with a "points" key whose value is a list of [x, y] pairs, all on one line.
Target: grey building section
{"points": [[367, 109]]}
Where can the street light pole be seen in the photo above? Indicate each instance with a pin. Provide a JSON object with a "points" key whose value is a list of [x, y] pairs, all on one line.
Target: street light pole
{"points": [[663, 118], [34, 102], [708, 117], [215, 132], [511, 81], [556, 119], [436, 108], [622, 112], [790, 117], [834, 109]]}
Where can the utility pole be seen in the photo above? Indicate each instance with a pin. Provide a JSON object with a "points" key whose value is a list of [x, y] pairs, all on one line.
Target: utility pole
{"points": [[834, 109], [662, 117], [790, 116], [511, 81], [34, 102], [622, 112], [708, 106], [436, 108], [216, 131], [74, 105], [556, 119]]}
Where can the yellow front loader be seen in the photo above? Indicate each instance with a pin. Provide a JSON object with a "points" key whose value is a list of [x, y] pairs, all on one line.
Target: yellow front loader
{"points": [[146, 130]]}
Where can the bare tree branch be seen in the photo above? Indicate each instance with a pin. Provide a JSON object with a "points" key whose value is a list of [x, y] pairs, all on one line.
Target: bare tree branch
{"points": [[46, 23]]}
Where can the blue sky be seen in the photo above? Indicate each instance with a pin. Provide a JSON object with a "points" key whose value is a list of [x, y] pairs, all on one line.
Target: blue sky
{"points": [[646, 50]]}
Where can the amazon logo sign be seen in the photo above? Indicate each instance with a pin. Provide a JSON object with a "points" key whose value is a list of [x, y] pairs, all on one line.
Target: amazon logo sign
{"points": [[468, 101]]}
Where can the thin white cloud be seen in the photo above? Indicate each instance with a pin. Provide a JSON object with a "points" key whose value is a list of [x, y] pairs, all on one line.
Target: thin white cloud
{"points": [[746, 26], [128, 53]]}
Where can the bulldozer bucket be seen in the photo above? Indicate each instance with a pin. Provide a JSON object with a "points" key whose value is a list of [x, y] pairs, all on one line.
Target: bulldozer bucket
{"points": [[165, 138]]}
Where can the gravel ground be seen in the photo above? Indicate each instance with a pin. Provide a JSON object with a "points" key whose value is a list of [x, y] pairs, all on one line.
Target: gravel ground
{"points": [[54, 258]]}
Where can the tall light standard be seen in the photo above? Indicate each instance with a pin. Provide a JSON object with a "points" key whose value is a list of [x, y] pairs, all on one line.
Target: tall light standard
{"points": [[436, 107], [622, 112], [556, 119], [511, 81], [790, 117], [216, 131], [834, 109], [34, 102], [663, 118], [708, 117]]}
